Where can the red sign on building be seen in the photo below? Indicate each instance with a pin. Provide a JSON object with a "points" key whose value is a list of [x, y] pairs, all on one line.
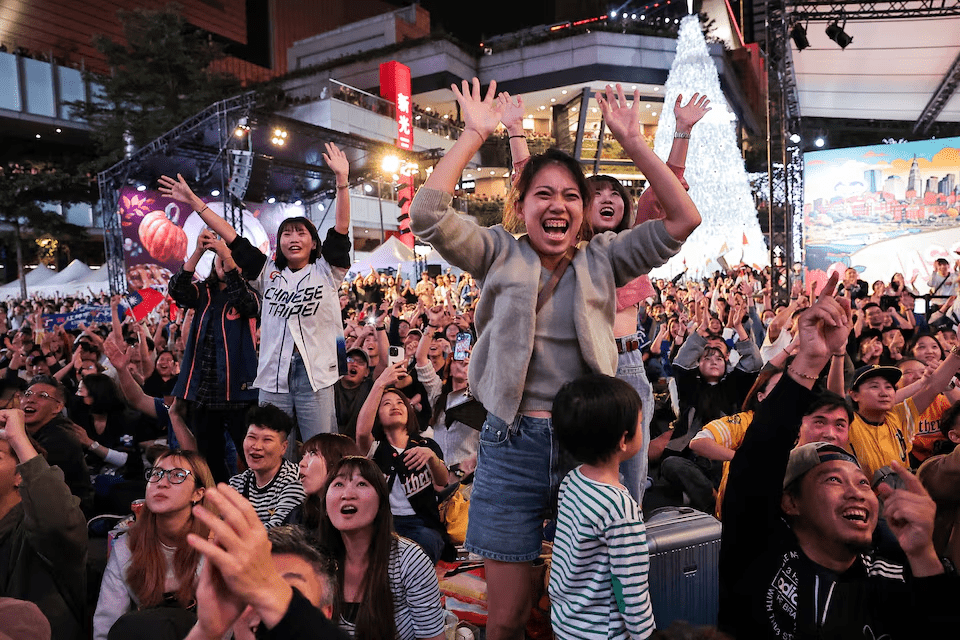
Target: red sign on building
{"points": [[395, 86]]}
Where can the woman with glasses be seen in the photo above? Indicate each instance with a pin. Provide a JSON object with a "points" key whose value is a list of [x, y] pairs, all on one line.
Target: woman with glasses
{"points": [[151, 565]]}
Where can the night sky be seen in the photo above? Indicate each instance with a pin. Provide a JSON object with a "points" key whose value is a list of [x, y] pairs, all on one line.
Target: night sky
{"points": [[471, 22]]}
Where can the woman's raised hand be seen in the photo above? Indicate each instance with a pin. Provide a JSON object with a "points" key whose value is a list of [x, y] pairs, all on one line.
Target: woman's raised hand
{"points": [[482, 114], [337, 161], [690, 113], [177, 189], [512, 111], [622, 119]]}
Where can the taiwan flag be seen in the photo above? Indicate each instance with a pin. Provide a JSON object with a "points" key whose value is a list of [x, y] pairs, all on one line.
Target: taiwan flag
{"points": [[142, 302]]}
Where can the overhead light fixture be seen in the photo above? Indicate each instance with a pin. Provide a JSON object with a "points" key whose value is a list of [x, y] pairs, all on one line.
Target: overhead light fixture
{"points": [[271, 200], [390, 164], [799, 35], [819, 142], [795, 138], [279, 137], [215, 193], [836, 33]]}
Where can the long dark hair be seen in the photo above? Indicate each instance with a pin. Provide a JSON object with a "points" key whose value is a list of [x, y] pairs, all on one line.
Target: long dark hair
{"points": [[375, 614], [412, 427], [332, 447], [626, 222], [299, 221], [103, 394], [512, 222]]}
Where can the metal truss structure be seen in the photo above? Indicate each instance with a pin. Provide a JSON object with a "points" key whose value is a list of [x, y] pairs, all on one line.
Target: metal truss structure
{"points": [[221, 118], [853, 10], [784, 160], [207, 144], [784, 199]]}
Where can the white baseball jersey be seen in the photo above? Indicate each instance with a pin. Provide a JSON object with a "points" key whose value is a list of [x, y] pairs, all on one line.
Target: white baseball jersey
{"points": [[301, 310]]}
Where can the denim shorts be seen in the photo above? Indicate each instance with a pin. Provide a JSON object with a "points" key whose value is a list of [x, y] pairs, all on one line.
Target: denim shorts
{"points": [[519, 468]]}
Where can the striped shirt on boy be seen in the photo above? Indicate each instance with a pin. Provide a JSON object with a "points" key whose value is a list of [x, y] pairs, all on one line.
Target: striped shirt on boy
{"points": [[598, 580]]}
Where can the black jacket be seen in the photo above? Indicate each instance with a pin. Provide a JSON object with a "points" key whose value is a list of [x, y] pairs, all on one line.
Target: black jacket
{"points": [[43, 550], [770, 589]]}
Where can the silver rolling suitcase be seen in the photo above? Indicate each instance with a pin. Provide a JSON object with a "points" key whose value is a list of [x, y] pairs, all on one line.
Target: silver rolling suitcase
{"points": [[684, 578]]}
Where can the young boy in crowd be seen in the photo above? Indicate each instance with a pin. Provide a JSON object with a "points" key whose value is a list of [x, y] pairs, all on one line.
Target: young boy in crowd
{"points": [[598, 581]]}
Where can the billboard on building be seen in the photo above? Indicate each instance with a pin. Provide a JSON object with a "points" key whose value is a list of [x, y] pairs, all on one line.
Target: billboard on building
{"points": [[159, 233], [882, 209]]}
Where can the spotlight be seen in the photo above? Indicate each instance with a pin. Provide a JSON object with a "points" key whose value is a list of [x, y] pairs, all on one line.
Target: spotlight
{"points": [[795, 138], [390, 164], [279, 137], [141, 187], [215, 193], [836, 33], [271, 200], [799, 35], [819, 142], [298, 202]]}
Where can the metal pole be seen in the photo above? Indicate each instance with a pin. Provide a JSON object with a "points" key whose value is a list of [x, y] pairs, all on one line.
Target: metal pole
{"points": [[380, 204]]}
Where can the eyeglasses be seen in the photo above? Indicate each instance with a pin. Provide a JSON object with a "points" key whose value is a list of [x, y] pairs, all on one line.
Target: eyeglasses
{"points": [[29, 393], [175, 476]]}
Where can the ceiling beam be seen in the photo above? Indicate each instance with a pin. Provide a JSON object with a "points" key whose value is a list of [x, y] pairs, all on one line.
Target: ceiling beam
{"points": [[854, 11], [938, 101]]}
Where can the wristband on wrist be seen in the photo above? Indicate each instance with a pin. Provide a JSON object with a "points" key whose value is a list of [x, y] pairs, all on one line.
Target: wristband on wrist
{"points": [[343, 186], [802, 375], [681, 135], [518, 136], [205, 208], [93, 446]]}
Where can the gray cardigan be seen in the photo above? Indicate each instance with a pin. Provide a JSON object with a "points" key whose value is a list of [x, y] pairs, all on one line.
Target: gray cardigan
{"points": [[508, 269]]}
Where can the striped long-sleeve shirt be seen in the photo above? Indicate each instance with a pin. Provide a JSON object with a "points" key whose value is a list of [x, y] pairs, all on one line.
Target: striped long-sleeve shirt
{"points": [[598, 581], [417, 608], [275, 500]]}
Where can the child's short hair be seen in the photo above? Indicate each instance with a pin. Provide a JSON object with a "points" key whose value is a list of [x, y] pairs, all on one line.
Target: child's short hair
{"points": [[592, 413]]}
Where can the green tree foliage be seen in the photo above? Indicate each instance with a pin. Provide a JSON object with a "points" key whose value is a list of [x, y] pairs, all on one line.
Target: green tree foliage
{"points": [[26, 191], [160, 76]]}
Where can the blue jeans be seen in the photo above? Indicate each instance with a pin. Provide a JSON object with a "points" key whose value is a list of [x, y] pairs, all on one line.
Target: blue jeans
{"points": [[313, 411], [429, 539], [634, 471], [519, 469]]}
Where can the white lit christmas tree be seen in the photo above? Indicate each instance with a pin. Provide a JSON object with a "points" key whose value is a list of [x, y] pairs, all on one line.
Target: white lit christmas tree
{"points": [[714, 166]]}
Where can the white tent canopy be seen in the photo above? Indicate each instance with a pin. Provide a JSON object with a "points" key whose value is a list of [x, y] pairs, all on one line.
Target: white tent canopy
{"points": [[388, 255], [77, 279]]}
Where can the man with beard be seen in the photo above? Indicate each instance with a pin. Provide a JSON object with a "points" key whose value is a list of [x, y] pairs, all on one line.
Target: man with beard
{"points": [[351, 390], [795, 556]]}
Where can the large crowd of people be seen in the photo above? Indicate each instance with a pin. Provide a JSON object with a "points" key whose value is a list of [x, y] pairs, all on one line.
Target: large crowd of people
{"points": [[277, 451]]}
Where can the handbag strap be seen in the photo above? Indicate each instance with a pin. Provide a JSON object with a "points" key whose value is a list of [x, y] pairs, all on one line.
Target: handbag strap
{"points": [[551, 284]]}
